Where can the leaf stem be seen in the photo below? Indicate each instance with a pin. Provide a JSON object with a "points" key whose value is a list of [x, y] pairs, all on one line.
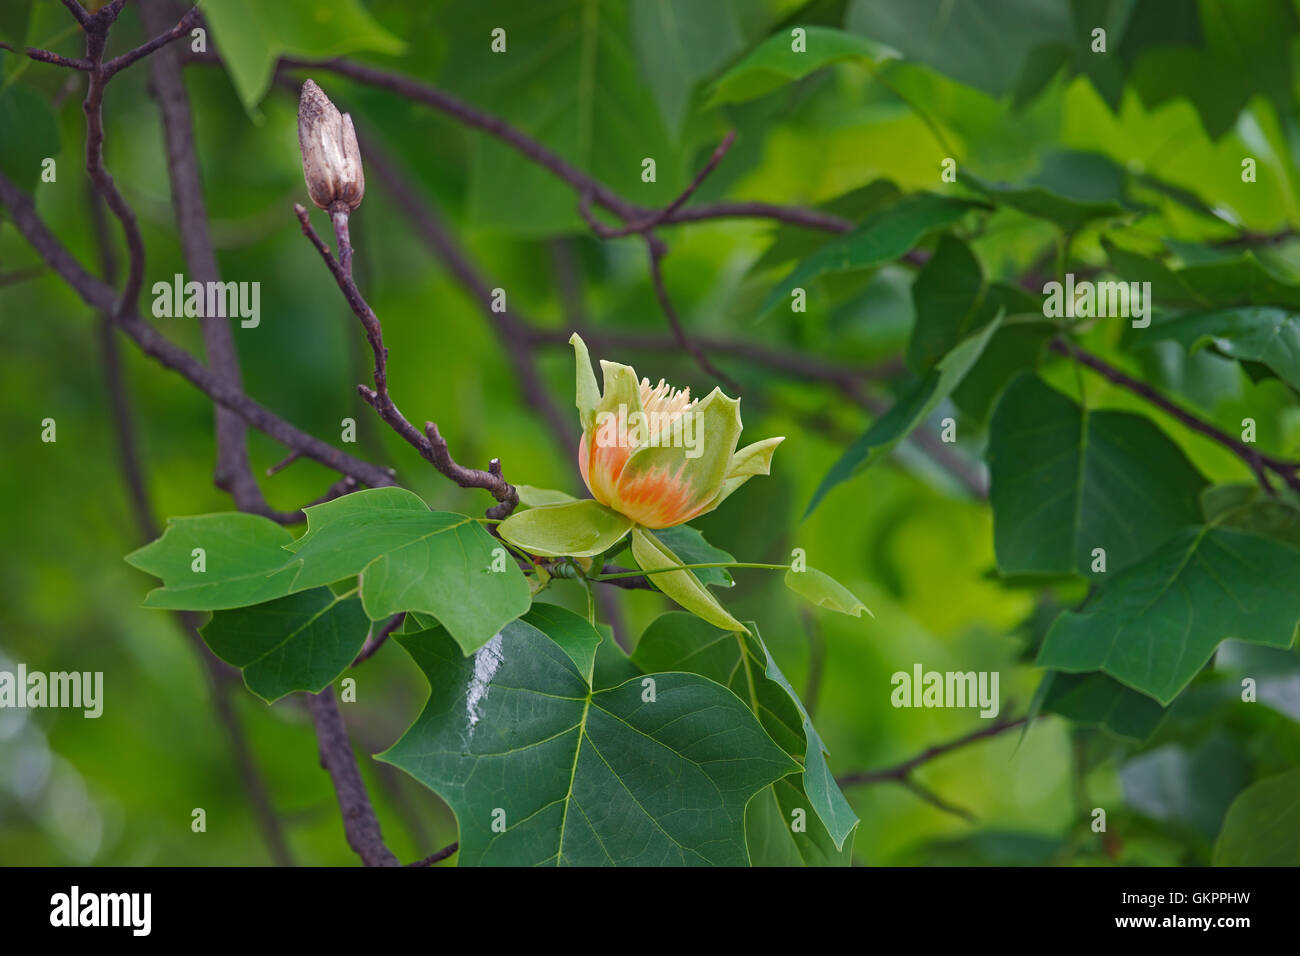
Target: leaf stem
{"points": [[689, 567]]}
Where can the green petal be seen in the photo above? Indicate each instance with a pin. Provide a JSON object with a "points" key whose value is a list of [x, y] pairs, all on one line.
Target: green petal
{"points": [[716, 437], [588, 395], [578, 529], [755, 459], [682, 586], [622, 387]]}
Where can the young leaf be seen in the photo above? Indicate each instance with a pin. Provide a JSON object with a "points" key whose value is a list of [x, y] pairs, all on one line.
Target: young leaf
{"points": [[824, 591], [681, 586], [299, 642], [578, 529], [1068, 214], [1154, 625], [1066, 480], [655, 771]]}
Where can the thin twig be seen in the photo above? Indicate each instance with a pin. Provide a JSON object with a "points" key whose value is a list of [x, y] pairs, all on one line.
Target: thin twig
{"points": [[899, 772], [437, 857], [376, 640]]}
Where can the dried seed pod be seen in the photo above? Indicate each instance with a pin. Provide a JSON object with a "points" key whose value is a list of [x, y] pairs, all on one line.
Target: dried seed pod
{"points": [[331, 159]]}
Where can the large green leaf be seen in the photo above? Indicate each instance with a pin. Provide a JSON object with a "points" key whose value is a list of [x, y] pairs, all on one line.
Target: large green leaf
{"points": [[413, 559], [980, 44], [1232, 281], [1154, 625], [907, 412], [1096, 700], [742, 662], [516, 737], [882, 237], [680, 42], [1258, 334], [570, 79], [29, 131], [780, 831], [1262, 827], [243, 562], [252, 35], [1066, 480], [299, 642], [774, 62]]}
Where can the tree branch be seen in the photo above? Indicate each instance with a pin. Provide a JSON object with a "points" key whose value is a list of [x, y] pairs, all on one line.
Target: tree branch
{"points": [[901, 772], [359, 820]]}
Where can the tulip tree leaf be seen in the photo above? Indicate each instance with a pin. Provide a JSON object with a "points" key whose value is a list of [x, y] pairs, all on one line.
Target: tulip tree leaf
{"points": [[681, 586], [824, 591], [774, 62], [655, 771], [408, 557], [578, 529], [907, 412], [1258, 334], [882, 237], [413, 559], [677, 641], [1154, 625], [1065, 480], [1262, 826], [240, 561], [772, 839], [253, 35], [299, 642], [1095, 700]]}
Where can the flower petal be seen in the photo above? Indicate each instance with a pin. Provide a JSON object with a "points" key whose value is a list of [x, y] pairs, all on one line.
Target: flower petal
{"points": [[588, 395], [682, 586], [661, 486], [575, 528], [755, 459]]}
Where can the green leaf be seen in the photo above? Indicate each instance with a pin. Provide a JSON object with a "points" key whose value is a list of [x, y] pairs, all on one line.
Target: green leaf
{"points": [[742, 662], [1095, 700], [949, 296], [536, 497], [689, 545], [1249, 508], [1262, 827], [680, 42], [413, 559], [681, 586], [570, 79], [907, 412], [1157, 623], [578, 529], [571, 632], [610, 777], [980, 44], [1234, 281], [1258, 334], [774, 63], [824, 591], [299, 642], [772, 840], [1066, 480], [253, 35], [243, 560], [1068, 214], [882, 237], [29, 131]]}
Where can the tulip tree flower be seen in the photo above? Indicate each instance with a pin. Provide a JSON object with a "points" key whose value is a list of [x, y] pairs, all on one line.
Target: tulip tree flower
{"points": [[652, 458]]}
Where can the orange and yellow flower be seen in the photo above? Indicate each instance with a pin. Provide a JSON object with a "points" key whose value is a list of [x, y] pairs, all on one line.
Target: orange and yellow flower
{"points": [[654, 454]]}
